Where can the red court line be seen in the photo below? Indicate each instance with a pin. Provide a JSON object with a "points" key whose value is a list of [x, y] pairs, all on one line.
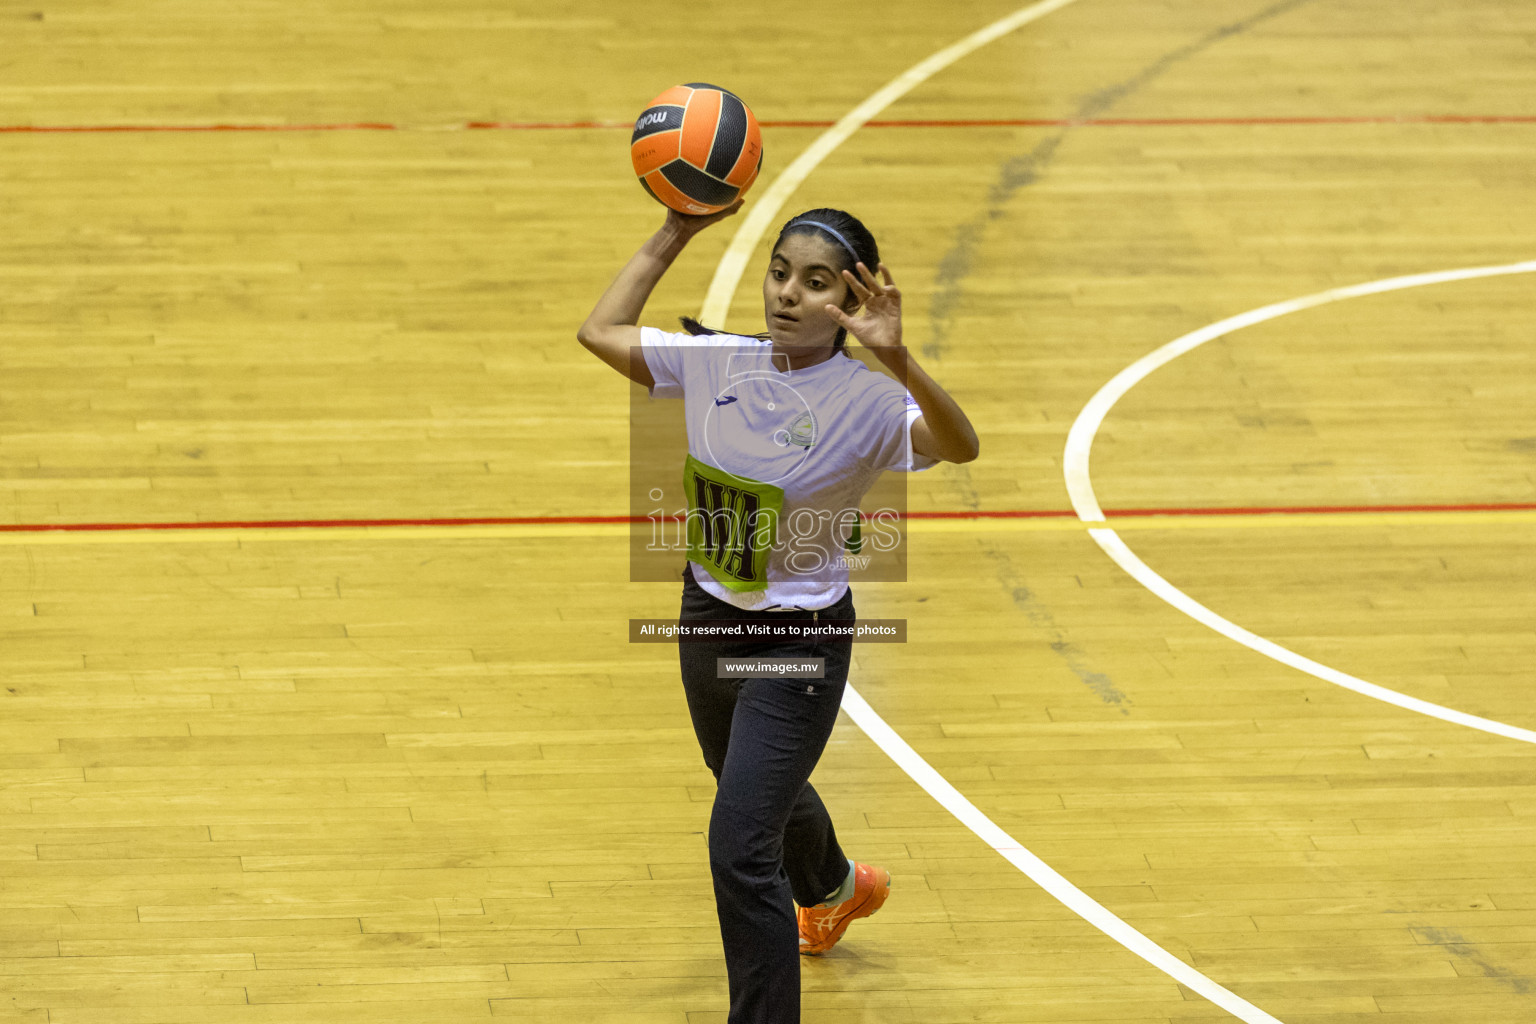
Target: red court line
{"points": [[1160, 122], [1025, 122], [1321, 509], [50, 129], [289, 524]]}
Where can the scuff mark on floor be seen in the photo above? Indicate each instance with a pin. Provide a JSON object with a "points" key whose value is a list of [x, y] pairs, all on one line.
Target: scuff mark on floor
{"points": [[1021, 171]]}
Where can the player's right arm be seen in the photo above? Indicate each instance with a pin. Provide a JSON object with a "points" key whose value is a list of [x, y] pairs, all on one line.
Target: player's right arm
{"points": [[610, 332]]}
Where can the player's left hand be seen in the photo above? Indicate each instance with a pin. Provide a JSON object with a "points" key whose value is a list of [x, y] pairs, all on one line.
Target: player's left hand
{"points": [[878, 322]]}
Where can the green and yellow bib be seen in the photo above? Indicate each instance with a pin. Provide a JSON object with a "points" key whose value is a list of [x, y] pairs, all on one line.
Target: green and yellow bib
{"points": [[733, 524]]}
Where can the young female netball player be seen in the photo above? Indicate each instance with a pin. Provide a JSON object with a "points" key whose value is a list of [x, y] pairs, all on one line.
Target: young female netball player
{"points": [[782, 421]]}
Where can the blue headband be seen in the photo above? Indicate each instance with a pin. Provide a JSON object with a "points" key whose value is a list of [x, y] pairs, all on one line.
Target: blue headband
{"points": [[828, 229]]}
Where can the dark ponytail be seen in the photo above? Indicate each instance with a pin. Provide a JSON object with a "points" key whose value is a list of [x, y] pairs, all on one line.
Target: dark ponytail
{"points": [[692, 326], [842, 231]]}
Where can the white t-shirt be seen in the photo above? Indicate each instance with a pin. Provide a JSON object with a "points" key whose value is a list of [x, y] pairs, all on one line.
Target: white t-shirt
{"points": [[806, 444]]}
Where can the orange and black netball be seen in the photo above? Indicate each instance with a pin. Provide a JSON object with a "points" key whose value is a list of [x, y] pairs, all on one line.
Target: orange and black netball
{"points": [[696, 148]]}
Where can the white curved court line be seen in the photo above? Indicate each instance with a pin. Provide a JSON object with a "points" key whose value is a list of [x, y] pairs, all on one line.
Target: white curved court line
{"points": [[1086, 503], [1041, 873], [717, 304], [717, 301]]}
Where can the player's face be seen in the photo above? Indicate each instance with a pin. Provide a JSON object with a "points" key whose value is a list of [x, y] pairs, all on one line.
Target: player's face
{"points": [[803, 276]]}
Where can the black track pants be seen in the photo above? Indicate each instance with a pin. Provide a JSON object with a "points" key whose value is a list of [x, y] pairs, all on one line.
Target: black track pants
{"points": [[770, 838]]}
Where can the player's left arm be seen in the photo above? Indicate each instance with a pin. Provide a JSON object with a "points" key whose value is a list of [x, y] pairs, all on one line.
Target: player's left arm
{"points": [[942, 431], [951, 436]]}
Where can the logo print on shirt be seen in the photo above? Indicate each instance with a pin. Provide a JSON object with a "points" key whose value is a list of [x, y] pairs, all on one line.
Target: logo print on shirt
{"points": [[803, 431], [771, 430]]}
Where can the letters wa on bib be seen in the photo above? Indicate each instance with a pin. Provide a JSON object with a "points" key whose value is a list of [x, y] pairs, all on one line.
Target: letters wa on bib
{"points": [[793, 451]]}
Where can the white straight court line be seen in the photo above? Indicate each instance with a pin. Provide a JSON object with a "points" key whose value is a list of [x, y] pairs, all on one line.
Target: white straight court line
{"points": [[1086, 503], [717, 304]]}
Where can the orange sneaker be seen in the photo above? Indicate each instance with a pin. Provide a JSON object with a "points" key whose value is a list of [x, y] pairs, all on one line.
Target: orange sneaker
{"points": [[821, 927]]}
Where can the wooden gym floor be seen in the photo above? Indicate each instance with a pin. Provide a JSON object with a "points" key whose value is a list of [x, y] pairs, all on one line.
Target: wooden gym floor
{"points": [[418, 774]]}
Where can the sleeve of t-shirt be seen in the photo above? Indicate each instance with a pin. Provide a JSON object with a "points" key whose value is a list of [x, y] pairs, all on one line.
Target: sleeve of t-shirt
{"points": [[898, 411], [664, 357]]}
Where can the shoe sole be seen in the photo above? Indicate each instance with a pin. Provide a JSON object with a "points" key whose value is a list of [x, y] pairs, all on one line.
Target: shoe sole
{"points": [[877, 897]]}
